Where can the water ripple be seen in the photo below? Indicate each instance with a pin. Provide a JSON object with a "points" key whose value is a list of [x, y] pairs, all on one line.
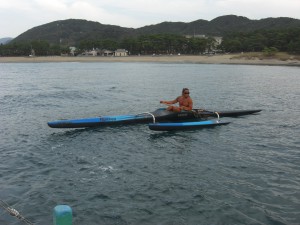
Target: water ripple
{"points": [[244, 173]]}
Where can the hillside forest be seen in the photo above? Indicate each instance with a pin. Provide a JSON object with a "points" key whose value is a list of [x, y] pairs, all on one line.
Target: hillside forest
{"points": [[284, 40]]}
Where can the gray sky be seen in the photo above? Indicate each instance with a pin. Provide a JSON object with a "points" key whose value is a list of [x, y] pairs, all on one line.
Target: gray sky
{"points": [[17, 16]]}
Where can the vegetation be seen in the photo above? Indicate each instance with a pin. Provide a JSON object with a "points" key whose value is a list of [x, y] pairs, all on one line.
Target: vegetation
{"points": [[239, 35], [282, 56], [269, 41], [72, 31], [40, 48], [145, 44], [165, 44], [270, 51]]}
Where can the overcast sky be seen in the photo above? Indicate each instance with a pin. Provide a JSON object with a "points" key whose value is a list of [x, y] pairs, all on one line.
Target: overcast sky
{"points": [[17, 16]]}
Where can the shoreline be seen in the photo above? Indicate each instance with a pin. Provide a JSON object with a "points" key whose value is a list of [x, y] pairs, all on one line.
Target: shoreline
{"points": [[200, 59]]}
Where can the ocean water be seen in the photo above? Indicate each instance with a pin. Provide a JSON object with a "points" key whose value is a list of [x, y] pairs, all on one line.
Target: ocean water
{"points": [[244, 173]]}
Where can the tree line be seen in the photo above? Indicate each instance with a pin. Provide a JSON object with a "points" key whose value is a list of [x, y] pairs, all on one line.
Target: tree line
{"points": [[155, 44], [144, 44], [39, 47], [287, 40]]}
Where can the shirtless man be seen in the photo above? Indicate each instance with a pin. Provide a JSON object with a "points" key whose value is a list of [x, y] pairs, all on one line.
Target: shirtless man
{"points": [[185, 102]]}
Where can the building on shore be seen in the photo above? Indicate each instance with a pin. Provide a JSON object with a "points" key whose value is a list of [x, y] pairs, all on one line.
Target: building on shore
{"points": [[105, 52], [195, 36], [121, 52]]}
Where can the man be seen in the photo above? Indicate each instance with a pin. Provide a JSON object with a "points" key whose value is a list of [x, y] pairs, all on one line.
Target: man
{"points": [[185, 102]]}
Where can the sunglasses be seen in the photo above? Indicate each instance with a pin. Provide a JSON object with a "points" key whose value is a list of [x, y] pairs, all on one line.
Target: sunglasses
{"points": [[186, 93]]}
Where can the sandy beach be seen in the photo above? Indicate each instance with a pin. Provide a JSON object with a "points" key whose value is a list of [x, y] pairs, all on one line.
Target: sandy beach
{"points": [[201, 59]]}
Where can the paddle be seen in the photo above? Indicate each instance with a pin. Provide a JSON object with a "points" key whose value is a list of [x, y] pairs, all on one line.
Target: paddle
{"points": [[161, 102], [196, 111], [170, 104]]}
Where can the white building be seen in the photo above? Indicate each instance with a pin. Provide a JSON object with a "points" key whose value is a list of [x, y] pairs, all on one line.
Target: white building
{"points": [[72, 50], [121, 52]]}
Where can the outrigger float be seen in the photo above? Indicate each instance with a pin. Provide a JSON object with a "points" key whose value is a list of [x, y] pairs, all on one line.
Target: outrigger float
{"points": [[160, 119]]}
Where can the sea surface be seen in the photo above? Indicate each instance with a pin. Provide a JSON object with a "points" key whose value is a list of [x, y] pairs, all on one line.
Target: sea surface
{"points": [[247, 172]]}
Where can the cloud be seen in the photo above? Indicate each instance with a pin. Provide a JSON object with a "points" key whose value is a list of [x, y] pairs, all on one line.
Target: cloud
{"points": [[257, 9], [17, 16]]}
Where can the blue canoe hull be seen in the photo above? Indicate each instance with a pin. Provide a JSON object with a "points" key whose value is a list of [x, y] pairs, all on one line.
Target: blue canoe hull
{"points": [[99, 121], [161, 115], [185, 125]]}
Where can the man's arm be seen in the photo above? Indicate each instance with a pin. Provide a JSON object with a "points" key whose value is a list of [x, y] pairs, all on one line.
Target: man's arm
{"points": [[170, 102]]}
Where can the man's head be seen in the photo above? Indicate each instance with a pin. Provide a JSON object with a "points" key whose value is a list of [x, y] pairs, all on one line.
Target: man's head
{"points": [[185, 91]]}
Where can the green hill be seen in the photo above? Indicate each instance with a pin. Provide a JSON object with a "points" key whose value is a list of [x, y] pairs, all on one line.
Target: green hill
{"points": [[72, 31]]}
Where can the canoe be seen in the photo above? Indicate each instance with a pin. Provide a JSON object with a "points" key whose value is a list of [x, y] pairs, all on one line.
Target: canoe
{"points": [[185, 125], [159, 115]]}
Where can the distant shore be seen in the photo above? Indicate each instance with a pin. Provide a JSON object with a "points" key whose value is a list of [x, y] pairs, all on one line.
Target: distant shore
{"points": [[201, 59]]}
